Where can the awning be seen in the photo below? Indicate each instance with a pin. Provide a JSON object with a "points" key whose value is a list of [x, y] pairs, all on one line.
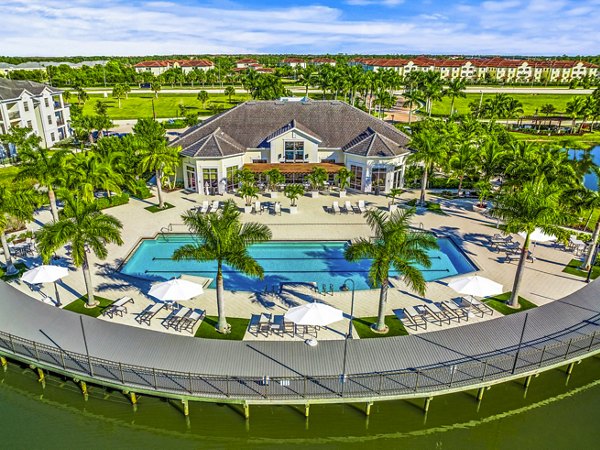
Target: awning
{"points": [[293, 167]]}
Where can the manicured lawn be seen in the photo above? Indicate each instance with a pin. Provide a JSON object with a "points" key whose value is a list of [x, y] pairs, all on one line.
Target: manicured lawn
{"points": [[207, 328], [530, 102], [585, 141], [430, 206], [362, 325], [573, 269], [166, 105], [20, 268], [7, 174], [155, 208], [499, 304], [78, 306]]}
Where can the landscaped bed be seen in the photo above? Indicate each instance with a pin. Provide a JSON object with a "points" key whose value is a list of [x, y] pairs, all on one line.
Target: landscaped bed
{"points": [[362, 325], [155, 208], [573, 268], [78, 306], [207, 328], [499, 303]]}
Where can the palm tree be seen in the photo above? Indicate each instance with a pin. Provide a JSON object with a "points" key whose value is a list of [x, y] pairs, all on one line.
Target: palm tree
{"points": [[547, 109], [223, 238], [432, 89], [343, 177], [155, 86], [293, 191], [203, 98], [575, 107], [47, 167], [456, 88], [92, 172], [154, 152], [512, 108], [395, 247], [306, 78], [461, 161], [87, 230], [317, 177], [118, 92], [412, 97], [274, 177], [430, 151], [229, 92], [16, 202], [536, 204]]}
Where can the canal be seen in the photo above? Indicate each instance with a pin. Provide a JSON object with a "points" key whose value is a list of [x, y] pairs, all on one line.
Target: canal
{"points": [[555, 412]]}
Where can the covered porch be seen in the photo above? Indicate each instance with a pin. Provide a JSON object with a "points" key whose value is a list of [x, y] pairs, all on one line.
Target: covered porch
{"points": [[293, 172]]}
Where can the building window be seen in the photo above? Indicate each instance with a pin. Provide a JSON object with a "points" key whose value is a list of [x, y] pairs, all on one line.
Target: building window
{"points": [[52, 137], [190, 177], [294, 151], [46, 103], [26, 106], [356, 180], [29, 124], [210, 181], [50, 120], [231, 178], [378, 178]]}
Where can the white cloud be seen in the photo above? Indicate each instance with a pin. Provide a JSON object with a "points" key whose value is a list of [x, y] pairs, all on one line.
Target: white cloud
{"points": [[119, 27], [374, 2]]}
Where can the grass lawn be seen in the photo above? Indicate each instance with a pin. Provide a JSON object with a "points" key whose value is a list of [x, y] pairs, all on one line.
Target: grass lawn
{"points": [[585, 141], [20, 269], [78, 306], [573, 269], [499, 304], [362, 325], [207, 328], [530, 102], [7, 174], [155, 208], [435, 208], [166, 105]]}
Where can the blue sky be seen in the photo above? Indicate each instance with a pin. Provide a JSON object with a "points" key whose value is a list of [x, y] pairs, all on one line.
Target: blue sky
{"points": [[140, 27]]}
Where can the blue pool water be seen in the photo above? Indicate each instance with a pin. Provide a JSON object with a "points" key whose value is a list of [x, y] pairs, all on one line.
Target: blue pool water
{"points": [[283, 261], [590, 180]]}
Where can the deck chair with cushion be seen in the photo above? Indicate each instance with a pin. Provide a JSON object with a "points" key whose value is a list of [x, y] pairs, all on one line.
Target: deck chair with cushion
{"points": [[214, 206], [361, 206], [149, 313], [117, 307], [414, 318], [335, 208], [348, 207], [456, 311], [204, 207], [188, 323]]}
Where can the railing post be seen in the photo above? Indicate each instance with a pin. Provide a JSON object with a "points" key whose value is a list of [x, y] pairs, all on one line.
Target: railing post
{"points": [[227, 386], [452, 371], [62, 359], [37, 355], [542, 357], [305, 386], [485, 366], [154, 376], [190, 381], [122, 375], [592, 341], [568, 348], [417, 380], [380, 383], [12, 344]]}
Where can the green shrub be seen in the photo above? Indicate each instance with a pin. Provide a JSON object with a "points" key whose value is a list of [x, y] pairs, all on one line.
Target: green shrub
{"points": [[141, 190], [115, 200]]}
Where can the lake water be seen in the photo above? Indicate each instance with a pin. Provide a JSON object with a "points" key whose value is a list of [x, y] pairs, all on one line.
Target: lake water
{"points": [[555, 412]]}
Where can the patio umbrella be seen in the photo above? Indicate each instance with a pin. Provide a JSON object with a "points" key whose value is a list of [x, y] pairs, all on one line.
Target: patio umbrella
{"points": [[175, 290], [46, 274], [318, 314], [476, 286], [538, 236]]}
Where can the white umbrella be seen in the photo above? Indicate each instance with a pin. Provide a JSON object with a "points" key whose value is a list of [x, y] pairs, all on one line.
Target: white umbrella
{"points": [[476, 286], [538, 236], [318, 314], [46, 274], [175, 290]]}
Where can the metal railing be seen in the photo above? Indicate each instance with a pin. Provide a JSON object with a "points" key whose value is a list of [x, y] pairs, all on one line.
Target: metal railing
{"points": [[472, 371]]}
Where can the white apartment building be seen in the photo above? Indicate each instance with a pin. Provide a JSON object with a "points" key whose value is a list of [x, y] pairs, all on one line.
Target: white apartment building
{"points": [[186, 65], [27, 104]]}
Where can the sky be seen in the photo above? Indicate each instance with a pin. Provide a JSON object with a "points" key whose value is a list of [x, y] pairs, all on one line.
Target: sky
{"points": [[147, 27]]}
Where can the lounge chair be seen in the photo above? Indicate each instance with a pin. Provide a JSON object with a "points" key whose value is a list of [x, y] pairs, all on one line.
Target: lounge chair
{"points": [[176, 317], [454, 310], [258, 209], [188, 323], [414, 318], [214, 206], [475, 306], [512, 256], [204, 208], [348, 207], [335, 208], [277, 208], [439, 313], [361, 206], [303, 330], [149, 313], [117, 307]]}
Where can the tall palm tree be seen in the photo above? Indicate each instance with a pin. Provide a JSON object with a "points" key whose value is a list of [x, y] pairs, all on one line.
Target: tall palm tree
{"points": [[155, 155], [93, 171], [575, 107], [412, 97], [535, 204], [393, 247], [155, 86], [229, 91], [16, 202], [87, 230], [432, 89], [430, 152], [47, 167], [223, 238], [202, 97], [456, 88]]}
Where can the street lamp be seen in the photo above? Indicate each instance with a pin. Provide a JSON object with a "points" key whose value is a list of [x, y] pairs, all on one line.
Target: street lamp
{"points": [[349, 334]]}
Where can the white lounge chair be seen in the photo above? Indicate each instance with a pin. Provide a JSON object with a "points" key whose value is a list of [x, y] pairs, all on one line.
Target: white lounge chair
{"points": [[348, 207], [204, 208], [117, 307], [361, 206], [414, 317], [335, 208], [149, 313], [188, 323], [277, 208], [258, 209], [214, 206]]}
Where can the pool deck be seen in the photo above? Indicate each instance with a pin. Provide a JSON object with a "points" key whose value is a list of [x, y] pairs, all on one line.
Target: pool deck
{"points": [[543, 280]]}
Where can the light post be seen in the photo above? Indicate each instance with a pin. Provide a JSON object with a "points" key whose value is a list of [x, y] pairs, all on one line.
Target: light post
{"points": [[348, 335], [589, 274]]}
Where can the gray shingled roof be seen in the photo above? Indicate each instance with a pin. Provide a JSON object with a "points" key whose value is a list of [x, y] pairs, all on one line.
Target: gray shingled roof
{"points": [[294, 124], [335, 123], [10, 89], [216, 144], [371, 143]]}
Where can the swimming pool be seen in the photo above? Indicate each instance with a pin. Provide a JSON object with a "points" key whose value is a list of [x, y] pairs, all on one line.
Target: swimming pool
{"points": [[283, 261]]}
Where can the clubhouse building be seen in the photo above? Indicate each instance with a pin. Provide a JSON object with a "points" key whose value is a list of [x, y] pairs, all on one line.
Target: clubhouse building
{"points": [[293, 136]]}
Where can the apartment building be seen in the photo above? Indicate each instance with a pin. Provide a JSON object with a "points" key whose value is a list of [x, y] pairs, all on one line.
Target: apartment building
{"points": [[186, 65], [36, 106]]}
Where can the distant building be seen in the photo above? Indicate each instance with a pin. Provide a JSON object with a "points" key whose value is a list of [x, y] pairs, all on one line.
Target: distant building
{"points": [[187, 65], [294, 62], [36, 106], [295, 136], [322, 61], [6, 68], [246, 63]]}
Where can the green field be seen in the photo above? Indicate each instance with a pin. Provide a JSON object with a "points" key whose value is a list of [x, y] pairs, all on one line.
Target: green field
{"points": [[531, 102], [584, 141], [166, 105]]}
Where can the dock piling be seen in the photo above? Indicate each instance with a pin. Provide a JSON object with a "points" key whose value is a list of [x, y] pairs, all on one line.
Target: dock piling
{"points": [[84, 390], [480, 394], [426, 406], [186, 407], [527, 382], [368, 408], [246, 410], [4, 363], [307, 410]]}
